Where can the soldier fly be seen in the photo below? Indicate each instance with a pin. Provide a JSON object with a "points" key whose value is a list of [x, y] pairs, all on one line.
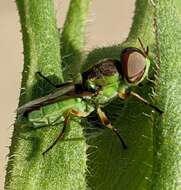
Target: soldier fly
{"points": [[108, 79]]}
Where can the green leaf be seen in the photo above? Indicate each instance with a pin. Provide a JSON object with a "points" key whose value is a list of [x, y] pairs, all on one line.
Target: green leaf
{"points": [[152, 160], [110, 167]]}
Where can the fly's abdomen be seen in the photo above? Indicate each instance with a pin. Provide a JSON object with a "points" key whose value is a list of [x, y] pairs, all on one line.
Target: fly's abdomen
{"points": [[50, 113]]}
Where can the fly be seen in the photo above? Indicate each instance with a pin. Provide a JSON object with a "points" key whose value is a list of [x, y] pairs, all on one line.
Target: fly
{"points": [[108, 79]]}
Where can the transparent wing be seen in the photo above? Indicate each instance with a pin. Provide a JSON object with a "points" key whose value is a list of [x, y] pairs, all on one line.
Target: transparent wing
{"points": [[45, 100]]}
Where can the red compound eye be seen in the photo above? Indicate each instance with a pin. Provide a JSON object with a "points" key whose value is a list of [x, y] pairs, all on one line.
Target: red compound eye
{"points": [[133, 64]]}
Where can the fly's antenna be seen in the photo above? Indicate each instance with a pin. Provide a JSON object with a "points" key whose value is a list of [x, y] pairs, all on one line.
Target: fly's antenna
{"points": [[156, 32], [142, 46]]}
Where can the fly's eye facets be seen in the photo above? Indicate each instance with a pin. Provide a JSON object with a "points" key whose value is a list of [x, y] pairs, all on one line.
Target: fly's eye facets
{"points": [[133, 64]]}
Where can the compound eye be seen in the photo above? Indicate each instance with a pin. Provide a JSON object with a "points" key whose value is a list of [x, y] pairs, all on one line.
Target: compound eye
{"points": [[133, 63]]}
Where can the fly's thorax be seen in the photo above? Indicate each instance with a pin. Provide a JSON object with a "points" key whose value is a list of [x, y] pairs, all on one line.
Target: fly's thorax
{"points": [[105, 78], [101, 75], [107, 93], [101, 83]]}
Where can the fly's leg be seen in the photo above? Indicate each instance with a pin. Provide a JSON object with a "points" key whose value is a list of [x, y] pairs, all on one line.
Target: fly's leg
{"points": [[60, 136], [46, 79], [53, 123], [140, 98], [65, 124], [105, 121], [51, 83], [146, 51], [79, 88]]}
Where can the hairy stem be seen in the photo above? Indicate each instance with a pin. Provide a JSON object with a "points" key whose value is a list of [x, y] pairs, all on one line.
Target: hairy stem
{"points": [[64, 166], [167, 132], [73, 38]]}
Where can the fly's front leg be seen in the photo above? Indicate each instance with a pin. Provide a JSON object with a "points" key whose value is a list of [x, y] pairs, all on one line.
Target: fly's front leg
{"points": [[125, 95], [79, 87], [51, 83], [138, 97], [105, 121], [46, 79], [65, 124]]}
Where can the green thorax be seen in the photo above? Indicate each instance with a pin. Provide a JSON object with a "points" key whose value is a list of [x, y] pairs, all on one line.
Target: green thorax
{"points": [[108, 90], [104, 78]]}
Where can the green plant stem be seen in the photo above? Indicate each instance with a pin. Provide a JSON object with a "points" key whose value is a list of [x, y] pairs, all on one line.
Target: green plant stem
{"points": [[73, 37], [167, 149], [64, 167], [41, 46], [142, 23]]}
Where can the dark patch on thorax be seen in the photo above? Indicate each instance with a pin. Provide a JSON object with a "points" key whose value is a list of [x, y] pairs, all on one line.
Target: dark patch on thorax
{"points": [[105, 68]]}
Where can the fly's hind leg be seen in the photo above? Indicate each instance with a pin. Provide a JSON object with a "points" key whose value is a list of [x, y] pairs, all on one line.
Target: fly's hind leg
{"points": [[61, 134], [43, 125], [65, 124], [105, 121]]}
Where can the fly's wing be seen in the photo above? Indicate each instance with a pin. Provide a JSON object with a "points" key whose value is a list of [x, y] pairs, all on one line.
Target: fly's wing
{"points": [[45, 100], [63, 93]]}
